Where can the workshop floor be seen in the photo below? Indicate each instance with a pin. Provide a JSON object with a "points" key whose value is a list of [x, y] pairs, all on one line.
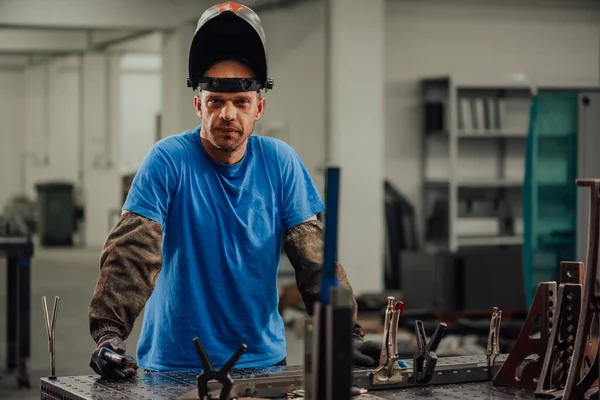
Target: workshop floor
{"points": [[70, 274]]}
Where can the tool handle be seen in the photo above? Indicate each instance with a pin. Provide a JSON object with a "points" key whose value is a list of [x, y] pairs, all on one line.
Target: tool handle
{"points": [[121, 359], [437, 337], [206, 364], [393, 339], [234, 359], [331, 227], [420, 334], [108, 355]]}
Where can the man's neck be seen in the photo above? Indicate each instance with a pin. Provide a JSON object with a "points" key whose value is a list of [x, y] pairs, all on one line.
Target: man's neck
{"points": [[224, 156]]}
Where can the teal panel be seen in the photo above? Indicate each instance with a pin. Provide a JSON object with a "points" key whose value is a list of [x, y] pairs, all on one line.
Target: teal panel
{"points": [[549, 191]]}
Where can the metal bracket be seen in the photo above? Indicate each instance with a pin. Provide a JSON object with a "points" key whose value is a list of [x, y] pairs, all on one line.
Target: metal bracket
{"points": [[50, 324], [560, 346], [578, 382], [523, 366]]}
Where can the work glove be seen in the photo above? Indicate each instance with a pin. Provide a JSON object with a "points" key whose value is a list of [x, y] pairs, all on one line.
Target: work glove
{"points": [[106, 368], [365, 354]]}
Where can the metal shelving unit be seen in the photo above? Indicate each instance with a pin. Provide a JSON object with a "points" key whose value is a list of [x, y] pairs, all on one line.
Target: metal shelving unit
{"points": [[497, 119], [480, 159]]}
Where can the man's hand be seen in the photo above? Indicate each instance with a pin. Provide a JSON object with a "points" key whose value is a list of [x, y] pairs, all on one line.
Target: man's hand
{"points": [[108, 369], [365, 354]]}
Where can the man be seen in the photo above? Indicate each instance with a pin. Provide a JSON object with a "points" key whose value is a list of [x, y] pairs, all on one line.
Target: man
{"points": [[198, 242]]}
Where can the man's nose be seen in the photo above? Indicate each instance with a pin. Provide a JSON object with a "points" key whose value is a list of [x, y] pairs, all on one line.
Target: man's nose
{"points": [[228, 111]]}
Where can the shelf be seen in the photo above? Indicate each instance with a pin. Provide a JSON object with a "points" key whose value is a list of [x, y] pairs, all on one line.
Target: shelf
{"points": [[512, 82], [490, 240], [478, 183], [488, 134], [492, 134]]}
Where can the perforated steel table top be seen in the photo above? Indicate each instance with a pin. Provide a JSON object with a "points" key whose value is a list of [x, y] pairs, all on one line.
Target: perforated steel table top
{"points": [[173, 385], [482, 390]]}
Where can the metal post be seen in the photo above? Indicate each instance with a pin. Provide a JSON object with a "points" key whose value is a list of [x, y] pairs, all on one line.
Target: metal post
{"points": [[11, 312]]}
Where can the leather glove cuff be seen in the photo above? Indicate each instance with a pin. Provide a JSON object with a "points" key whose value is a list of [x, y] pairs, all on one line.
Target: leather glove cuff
{"points": [[106, 336]]}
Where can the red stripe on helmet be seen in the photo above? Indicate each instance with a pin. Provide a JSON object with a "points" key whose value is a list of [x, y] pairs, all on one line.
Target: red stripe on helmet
{"points": [[231, 6]]}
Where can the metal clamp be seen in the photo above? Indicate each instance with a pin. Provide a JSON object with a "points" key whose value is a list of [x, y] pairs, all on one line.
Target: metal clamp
{"points": [[50, 323], [425, 357], [222, 376], [388, 371], [493, 346]]}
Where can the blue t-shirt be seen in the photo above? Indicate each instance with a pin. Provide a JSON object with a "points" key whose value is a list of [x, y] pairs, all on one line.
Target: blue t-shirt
{"points": [[222, 230]]}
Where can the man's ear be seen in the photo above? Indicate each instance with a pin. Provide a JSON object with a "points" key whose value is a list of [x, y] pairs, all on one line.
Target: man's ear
{"points": [[262, 104], [198, 105]]}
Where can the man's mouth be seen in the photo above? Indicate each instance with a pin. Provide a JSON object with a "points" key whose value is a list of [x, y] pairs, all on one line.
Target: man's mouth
{"points": [[228, 130]]}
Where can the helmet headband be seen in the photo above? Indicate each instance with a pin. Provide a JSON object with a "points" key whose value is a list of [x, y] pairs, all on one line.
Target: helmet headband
{"points": [[228, 85]]}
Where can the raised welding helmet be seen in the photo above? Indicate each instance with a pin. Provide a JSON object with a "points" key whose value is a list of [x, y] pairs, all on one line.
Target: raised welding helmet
{"points": [[229, 31]]}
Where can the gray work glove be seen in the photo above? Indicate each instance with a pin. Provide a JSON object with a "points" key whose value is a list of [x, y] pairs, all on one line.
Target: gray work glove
{"points": [[106, 368], [365, 354]]}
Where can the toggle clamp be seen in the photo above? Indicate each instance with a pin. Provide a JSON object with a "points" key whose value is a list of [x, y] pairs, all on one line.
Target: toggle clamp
{"points": [[388, 372], [425, 357], [493, 346]]}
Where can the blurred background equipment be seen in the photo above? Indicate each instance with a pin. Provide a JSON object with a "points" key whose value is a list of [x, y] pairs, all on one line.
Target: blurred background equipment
{"points": [[16, 247], [56, 213], [401, 234], [23, 209]]}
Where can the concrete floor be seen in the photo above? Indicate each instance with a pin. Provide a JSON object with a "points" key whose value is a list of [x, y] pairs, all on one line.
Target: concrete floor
{"points": [[70, 274]]}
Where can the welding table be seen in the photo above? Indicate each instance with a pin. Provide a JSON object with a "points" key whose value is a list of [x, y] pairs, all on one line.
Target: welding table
{"points": [[455, 378], [18, 252]]}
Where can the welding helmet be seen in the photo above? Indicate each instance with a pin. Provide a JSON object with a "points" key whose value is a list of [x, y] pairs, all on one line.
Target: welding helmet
{"points": [[228, 31]]}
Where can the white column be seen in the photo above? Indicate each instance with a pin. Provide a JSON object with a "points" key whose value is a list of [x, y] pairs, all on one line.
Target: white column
{"points": [[178, 100], [356, 142], [102, 183]]}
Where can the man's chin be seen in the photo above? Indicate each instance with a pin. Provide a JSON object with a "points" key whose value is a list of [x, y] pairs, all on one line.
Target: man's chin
{"points": [[226, 145]]}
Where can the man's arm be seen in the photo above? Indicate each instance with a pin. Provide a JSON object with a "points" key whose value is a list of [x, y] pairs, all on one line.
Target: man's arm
{"points": [[304, 245], [129, 266]]}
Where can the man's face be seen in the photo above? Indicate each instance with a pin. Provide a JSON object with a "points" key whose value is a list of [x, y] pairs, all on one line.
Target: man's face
{"points": [[228, 118]]}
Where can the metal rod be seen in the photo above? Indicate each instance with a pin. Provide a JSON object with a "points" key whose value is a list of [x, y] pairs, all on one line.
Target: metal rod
{"points": [[202, 355], [50, 325], [234, 358], [331, 226]]}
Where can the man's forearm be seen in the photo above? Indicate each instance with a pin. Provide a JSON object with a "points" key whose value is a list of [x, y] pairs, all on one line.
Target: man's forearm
{"points": [[129, 266], [304, 246]]}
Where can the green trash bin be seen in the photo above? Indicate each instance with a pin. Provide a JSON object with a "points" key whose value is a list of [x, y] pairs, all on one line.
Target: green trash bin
{"points": [[55, 210]]}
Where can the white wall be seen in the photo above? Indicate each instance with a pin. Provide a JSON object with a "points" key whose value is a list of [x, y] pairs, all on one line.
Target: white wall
{"points": [[121, 100], [109, 137], [489, 39], [177, 104], [52, 122], [12, 139], [358, 137], [296, 46], [140, 94]]}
